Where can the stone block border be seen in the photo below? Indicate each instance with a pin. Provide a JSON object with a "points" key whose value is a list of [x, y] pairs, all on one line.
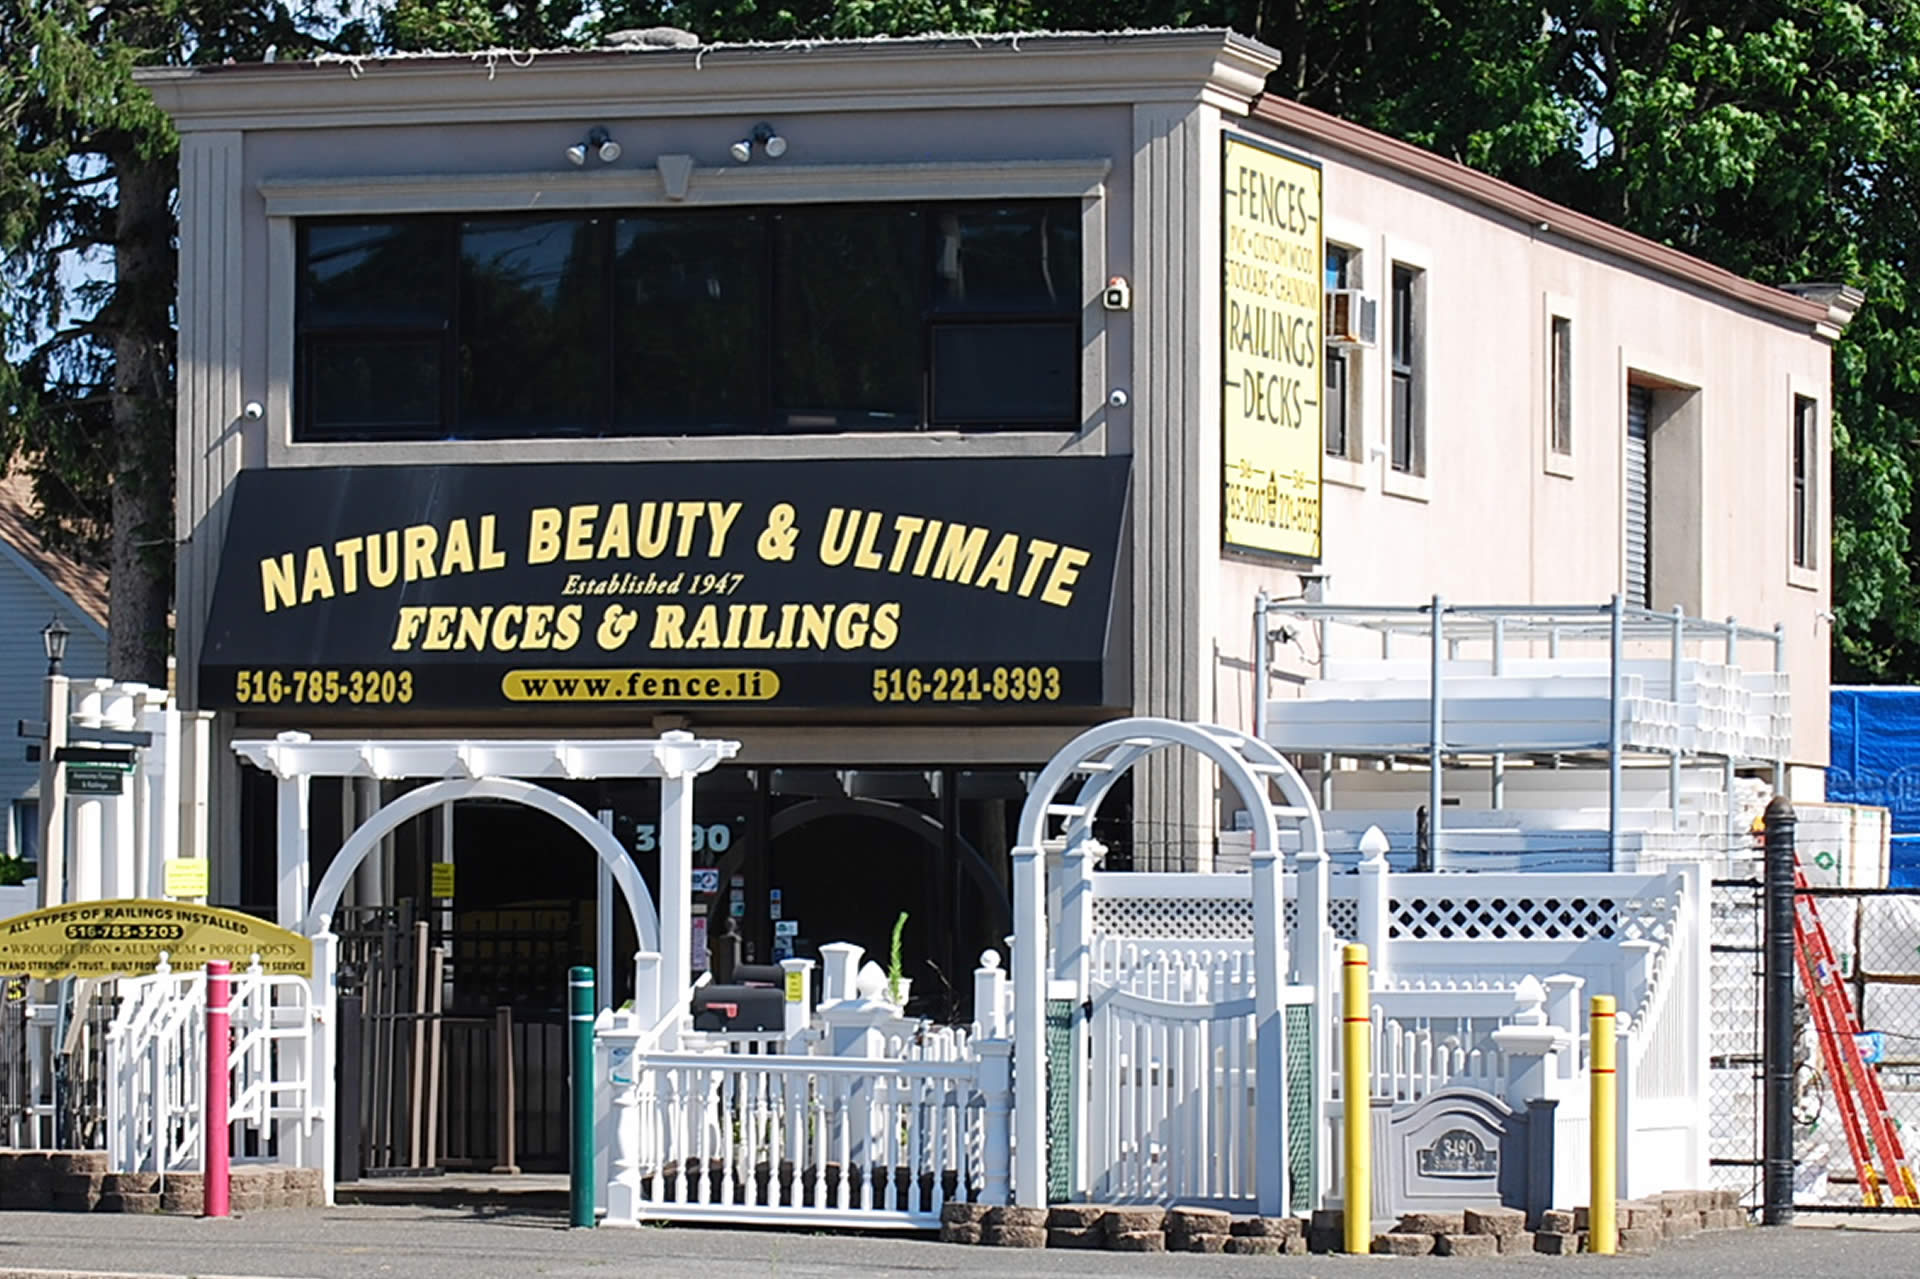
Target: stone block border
{"points": [[78, 1181], [1472, 1232]]}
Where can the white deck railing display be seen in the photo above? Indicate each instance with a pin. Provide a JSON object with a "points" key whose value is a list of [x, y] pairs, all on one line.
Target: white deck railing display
{"points": [[860, 1120], [156, 1064]]}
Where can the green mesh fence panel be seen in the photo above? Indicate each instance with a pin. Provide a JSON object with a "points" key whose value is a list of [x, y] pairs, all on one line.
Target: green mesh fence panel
{"points": [[1300, 1127], [1059, 1099]]}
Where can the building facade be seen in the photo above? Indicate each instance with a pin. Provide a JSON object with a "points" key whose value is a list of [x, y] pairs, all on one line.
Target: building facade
{"points": [[900, 409], [38, 587]]}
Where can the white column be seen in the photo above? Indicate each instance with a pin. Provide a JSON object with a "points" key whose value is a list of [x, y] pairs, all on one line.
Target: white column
{"points": [[290, 874], [322, 1101], [676, 886], [53, 797], [1029, 1028], [797, 1008], [165, 757], [1371, 898], [123, 818], [603, 925], [86, 843], [1314, 968]]}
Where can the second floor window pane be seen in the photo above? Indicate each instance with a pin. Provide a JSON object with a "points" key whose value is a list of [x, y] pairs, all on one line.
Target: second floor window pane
{"points": [[532, 324], [848, 311], [690, 324]]}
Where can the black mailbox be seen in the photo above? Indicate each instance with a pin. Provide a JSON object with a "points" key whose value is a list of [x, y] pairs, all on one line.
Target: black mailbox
{"points": [[740, 1009]]}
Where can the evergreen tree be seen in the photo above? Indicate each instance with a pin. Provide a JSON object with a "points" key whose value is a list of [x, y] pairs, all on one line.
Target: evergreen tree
{"points": [[87, 268]]}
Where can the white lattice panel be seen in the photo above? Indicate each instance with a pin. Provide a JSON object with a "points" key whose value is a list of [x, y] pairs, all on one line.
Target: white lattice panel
{"points": [[1529, 919], [1174, 919]]}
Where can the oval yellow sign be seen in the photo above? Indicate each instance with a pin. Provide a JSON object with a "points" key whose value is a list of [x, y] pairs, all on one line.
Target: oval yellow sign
{"points": [[127, 937]]}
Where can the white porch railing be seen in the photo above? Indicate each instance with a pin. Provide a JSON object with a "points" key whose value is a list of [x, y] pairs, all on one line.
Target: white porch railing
{"points": [[279, 1068], [863, 1121]]}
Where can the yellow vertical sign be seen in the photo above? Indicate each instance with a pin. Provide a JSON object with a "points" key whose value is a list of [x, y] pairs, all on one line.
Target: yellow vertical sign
{"points": [[1272, 300], [442, 877]]}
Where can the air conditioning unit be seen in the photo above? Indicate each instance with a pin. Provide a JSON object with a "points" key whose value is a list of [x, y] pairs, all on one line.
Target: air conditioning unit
{"points": [[1353, 318]]}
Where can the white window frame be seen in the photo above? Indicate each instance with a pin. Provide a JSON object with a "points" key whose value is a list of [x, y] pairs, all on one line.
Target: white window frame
{"points": [[1558, 310], [1351, 471], [1810, 576], [1414, 486]]}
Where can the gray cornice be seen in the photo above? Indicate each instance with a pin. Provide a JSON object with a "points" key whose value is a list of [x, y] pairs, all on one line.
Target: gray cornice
{"points": [[1217, 67], [636, 186]]}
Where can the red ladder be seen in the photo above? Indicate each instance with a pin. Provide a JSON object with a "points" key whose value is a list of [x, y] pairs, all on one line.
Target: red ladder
{"points": [[1856, 1085]]}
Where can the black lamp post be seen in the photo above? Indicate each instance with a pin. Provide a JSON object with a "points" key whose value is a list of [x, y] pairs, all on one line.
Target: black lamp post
{"points": [[55, 639]]}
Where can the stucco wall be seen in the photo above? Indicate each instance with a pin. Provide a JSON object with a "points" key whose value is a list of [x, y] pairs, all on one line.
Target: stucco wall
{"points": [[1496, 520]]}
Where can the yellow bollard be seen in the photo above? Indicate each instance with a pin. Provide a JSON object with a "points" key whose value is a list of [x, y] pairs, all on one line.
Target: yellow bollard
{"points": [[1604, 1185], [1357, 1090]]}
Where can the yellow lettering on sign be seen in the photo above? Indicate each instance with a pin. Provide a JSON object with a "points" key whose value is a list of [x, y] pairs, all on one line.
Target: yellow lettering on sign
{"points": [[1273, 271]]}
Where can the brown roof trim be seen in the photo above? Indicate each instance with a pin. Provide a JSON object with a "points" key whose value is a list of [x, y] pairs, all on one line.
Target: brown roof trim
{"points": [[1504, 197]]}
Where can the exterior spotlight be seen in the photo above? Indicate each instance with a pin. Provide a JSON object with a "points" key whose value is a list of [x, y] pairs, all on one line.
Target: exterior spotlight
{"points": [[772, 143], [599, 142], [53, 637]]}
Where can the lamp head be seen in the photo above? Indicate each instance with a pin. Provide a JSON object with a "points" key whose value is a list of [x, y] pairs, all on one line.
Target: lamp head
{"points": [[774, 144], [741, 151], [577, 154], [53, 637]]}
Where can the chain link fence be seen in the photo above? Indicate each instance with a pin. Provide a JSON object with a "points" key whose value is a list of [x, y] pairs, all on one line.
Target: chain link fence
{"points": [[1875, 936]]}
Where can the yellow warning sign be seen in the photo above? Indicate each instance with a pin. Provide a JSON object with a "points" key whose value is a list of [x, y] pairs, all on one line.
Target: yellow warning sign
{"points": [[442, 885], [186, 877], [796, 988], [127, 937]]}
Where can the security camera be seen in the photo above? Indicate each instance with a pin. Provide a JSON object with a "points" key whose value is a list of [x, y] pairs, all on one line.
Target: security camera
{"points": [[1117, 296]]}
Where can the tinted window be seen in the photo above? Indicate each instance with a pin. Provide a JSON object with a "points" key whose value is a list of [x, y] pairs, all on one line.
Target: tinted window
{"points": [[1005, 374], [681, 321], [1007, 258], [689, 322], [362, 275], [374, 386], [532, 327], [849, 304]]}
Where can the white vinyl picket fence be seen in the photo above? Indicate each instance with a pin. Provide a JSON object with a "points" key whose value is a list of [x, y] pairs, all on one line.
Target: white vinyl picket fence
{"points": [[862, 1121]]}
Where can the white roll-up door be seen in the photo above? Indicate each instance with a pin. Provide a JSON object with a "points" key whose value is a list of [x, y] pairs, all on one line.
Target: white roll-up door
{"points": [[1639, 497]]}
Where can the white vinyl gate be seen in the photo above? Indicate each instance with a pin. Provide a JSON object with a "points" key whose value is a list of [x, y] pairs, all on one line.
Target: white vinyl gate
{"points": [[1171, 1117]]}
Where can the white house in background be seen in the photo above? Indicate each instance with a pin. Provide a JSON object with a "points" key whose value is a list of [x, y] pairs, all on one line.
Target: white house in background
{"points": [[37, 585]]}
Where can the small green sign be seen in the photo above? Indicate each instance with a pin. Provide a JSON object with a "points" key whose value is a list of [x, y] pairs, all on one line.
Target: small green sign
{"points": [[92, 779]]}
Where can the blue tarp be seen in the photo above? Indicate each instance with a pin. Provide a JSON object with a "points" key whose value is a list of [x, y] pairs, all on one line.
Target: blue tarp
{"points": [[1876, 760]]}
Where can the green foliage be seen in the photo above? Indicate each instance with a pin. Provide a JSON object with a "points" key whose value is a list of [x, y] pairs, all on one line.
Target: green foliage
{"points": [[87, 272], [1780, 139], [896, 960]]}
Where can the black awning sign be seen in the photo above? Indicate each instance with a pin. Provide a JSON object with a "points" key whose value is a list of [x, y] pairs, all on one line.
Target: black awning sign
{"points": [[940, 583]]}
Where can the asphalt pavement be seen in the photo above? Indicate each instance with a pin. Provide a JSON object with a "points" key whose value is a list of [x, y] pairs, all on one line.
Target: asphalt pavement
{"points": [[380, 1242]]}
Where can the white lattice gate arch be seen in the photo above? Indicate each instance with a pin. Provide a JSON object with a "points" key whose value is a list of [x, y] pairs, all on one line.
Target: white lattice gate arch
{"points": [[1068, 793]]}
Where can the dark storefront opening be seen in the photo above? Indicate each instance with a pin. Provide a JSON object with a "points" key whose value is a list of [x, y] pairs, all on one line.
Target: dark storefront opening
{"points": [[792, 858]]}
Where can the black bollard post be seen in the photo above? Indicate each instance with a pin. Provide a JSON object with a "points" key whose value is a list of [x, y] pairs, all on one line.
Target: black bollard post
{"points": [[1777, 1040]]}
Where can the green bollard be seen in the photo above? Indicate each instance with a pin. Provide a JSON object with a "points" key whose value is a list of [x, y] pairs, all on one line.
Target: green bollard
{"points": [[580, 1025]]}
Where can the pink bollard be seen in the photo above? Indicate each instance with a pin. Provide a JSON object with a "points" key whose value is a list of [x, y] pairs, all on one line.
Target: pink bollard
{"points": [[213, 1121]]}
